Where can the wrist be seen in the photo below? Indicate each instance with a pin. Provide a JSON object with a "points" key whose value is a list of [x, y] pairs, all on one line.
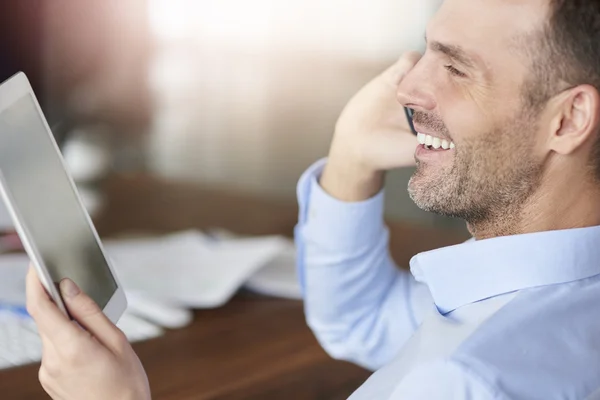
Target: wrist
{"points": [[350, 181]]}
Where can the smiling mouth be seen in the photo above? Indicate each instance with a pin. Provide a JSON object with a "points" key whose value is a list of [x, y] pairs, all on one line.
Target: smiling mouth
{"points": [[432, 142]]}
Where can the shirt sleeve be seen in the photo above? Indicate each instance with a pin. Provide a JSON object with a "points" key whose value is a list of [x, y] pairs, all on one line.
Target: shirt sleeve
{"points": [[445, 380], [360, 306]]}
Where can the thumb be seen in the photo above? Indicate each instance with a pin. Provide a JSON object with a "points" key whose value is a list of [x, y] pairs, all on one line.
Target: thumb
{"points": [[88, 314]]}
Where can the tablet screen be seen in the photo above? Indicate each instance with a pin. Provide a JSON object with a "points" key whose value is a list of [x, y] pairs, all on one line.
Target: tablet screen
{"points": [[47, 205]]}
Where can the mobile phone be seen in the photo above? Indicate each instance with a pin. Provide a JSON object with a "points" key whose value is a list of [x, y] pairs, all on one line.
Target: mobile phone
{"points": [[44, 204], [409, 116]]}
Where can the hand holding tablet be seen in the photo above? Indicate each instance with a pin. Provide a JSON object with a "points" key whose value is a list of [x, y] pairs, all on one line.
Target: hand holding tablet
{"points": [[55, 229]]}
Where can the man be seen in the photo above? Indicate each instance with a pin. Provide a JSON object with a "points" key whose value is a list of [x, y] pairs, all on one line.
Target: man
{"points": [[507, 97]]}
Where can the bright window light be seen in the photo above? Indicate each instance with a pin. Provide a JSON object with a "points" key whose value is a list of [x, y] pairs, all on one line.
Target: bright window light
{"points": [[238, 20]]}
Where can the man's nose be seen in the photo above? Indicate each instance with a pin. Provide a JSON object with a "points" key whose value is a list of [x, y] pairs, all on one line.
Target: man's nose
{"points": [[415, 90]]}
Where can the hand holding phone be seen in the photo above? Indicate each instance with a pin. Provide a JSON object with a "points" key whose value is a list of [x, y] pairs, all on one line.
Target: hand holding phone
{"points": [[372, 136]]}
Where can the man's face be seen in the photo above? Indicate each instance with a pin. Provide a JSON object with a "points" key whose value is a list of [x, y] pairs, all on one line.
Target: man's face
{"points": [[468, 90]]}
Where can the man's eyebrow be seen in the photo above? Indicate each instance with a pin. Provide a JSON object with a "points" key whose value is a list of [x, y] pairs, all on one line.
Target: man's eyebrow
{"points": [[455, 52]]}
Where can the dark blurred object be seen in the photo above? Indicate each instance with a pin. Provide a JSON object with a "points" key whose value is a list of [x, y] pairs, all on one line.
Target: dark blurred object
{"points": [[21, 34], [10, 242], [87, 61], [409, 117], [22, 48]]}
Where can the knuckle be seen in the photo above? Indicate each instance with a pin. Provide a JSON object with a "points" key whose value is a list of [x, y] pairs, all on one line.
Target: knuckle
{"points": [[50, 369], [44, 377], [413, 55], [121, 342], [71, 354], [405, 64], [410, 58]]}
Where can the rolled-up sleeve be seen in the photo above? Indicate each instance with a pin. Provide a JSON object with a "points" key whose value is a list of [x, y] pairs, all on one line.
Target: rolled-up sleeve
{"points": [[360, 306]]}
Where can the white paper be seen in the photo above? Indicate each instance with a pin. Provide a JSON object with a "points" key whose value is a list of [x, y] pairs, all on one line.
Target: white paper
{"points": [[279, 277], [189, 268]]}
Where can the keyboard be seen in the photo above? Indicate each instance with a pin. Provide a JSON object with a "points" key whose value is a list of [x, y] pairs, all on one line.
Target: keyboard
{"points": [[20, 343]]}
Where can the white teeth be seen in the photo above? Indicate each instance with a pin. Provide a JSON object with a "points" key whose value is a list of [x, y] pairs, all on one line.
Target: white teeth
{"points": [[436, 143]]}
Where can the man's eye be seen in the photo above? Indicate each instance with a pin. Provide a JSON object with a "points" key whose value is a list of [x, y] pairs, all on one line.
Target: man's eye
{"points": [[454, 71]]}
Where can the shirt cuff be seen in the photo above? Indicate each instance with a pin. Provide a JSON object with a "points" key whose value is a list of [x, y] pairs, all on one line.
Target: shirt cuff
{"points": [[333, 223]]}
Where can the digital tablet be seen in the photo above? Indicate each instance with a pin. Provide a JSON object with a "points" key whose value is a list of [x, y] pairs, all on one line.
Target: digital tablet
{"points": [[43, 202]]}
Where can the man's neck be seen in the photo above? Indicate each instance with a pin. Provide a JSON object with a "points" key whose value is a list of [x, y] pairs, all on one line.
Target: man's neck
{"points": [[564, 206]]}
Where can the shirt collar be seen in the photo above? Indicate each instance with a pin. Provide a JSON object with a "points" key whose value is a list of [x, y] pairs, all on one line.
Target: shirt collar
{"points": [[477, 270]]}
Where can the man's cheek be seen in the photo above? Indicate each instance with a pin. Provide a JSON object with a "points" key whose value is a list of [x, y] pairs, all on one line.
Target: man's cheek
{"points": [[462, 123], [478, 101]]}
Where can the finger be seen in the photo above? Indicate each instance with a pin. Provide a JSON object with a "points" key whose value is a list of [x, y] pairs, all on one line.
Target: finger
{"points": [[396, 72], [395, 149], [87, 313], [52, 324]]}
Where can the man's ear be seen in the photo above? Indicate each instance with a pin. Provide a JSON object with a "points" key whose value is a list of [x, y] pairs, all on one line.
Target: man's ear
{"points": [[576, 118]]}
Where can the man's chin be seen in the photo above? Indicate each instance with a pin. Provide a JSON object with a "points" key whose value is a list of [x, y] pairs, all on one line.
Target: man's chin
{"points": [[421, 184], [421, 202], [418, 194], [429, 195]]}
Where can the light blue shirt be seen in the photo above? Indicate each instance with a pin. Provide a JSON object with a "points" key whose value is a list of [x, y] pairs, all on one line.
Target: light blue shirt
{"points": [[513, 317]]}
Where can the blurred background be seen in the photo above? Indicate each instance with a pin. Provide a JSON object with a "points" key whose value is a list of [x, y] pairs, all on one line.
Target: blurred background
{"points": [[236, 94], [186, 125]]}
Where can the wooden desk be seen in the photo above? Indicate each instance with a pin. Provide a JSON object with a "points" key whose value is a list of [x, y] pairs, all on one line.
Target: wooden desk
{"points": [[254, 347]]}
